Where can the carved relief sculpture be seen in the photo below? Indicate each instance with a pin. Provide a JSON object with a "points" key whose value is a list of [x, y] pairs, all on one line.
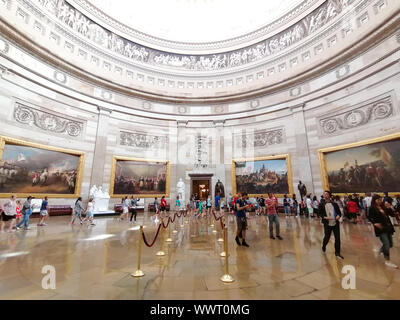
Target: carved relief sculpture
{"points": [[377, 110], [46, 121], [88, 28], [143, 140]]}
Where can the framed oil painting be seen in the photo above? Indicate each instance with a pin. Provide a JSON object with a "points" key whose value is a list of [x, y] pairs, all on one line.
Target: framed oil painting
{"points": [[365, 166], [39, 170], [144, 178], [259, 176]]}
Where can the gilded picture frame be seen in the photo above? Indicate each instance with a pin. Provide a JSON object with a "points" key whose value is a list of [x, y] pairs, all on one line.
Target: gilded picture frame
{"points": [[285, 157], [79, 169], [322, 154], [115, 159]]}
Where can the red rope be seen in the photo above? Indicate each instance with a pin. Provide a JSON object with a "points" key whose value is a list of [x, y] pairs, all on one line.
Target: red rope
{"points": [[155, 238]]}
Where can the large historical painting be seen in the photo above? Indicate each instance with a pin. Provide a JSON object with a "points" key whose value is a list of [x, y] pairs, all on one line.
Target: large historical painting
{"points": [[367, 166], [144, 178], [33, 169], [260, 176]]}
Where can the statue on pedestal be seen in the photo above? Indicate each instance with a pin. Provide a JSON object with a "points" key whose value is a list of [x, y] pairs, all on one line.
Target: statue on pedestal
{"points": [[100, 197]]}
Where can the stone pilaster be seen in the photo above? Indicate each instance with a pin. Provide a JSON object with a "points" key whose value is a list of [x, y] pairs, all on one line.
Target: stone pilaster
{"points": [[99, 157], [301, 164]]}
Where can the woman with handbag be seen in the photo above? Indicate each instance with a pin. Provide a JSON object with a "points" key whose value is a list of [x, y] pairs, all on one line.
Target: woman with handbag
{"points": [[383, 227]]}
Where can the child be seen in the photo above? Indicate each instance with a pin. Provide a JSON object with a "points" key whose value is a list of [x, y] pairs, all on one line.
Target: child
{"points": [[18, 210], [89, 213]]}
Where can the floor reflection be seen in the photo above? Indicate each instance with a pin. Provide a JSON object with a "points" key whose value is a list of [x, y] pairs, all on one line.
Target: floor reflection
{"points": [[96, 262]]}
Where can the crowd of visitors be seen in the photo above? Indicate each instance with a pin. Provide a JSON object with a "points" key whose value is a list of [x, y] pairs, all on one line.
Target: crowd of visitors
{"points": [[332, 210]]}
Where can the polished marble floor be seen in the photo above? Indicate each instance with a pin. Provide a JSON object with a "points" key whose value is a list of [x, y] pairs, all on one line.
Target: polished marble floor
{"points": [[95, 262]]}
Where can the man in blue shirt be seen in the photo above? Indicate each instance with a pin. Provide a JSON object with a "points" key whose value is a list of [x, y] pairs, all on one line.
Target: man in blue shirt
{"points": [[217, 199], [240, 209]]}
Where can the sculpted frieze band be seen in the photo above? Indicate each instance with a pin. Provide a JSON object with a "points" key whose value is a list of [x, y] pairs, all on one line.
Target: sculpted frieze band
{"points": [[143, 140], [260, 138], [138, 53]]}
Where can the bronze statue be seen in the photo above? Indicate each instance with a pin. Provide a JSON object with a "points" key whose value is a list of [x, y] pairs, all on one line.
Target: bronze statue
{"points": [[302, 189], [219, 187]]}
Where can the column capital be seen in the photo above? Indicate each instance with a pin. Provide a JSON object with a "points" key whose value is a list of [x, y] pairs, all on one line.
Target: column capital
{"points": [[297, 108], [104, 110], [218, 123], [182, 123]]}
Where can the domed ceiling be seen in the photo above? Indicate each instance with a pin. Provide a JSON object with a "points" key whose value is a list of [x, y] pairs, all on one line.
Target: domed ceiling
{"points": [[195, 21]]}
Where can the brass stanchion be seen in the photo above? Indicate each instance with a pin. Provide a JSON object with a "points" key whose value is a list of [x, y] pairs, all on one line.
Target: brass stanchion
{"points": [[226, 277], [161, 253], [138, 272], [221, 239], [223, 253]]}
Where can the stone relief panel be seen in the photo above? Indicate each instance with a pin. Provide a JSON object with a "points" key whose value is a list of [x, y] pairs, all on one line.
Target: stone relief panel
{"points": [[260, 138], [47, 121], [138, 53], [377, 110], [202, 151], [143, 140]]}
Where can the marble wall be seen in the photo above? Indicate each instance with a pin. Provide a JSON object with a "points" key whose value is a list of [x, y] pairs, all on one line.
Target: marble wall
{"points": [[366, 109], [350, 100]]}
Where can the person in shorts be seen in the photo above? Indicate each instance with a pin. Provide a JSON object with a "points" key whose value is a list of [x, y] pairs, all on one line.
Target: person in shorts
{"points": [[89, 212], [43, 212], [163, 206], [241, 220], [9, 213]]}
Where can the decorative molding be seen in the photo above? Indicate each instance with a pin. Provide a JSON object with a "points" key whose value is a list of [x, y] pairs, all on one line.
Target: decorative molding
{"points": [[143, 140], [342, 71], [4, 46], [260, 138], [60, 76], [77, 21], [377, 110], [146, 105], [47, 121]]}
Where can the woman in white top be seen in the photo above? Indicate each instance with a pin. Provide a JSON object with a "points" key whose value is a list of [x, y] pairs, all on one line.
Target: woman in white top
{"points": [[125, 209], [89, 213], [309, 205]]}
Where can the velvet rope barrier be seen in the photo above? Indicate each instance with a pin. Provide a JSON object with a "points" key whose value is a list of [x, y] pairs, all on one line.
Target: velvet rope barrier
{"points": [[159, 227], [219, 218], [155, 238]]}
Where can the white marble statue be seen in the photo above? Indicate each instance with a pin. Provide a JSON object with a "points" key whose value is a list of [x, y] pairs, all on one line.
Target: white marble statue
{"points": [[180, 190], [101, 198]]}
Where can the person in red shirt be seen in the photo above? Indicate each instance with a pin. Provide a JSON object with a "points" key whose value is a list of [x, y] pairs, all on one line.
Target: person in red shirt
{"points": [[272, 203], [163, 205], [352, 209]]}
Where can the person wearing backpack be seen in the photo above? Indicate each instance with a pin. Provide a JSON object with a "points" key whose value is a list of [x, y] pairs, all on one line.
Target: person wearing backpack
{"points": [[78, 209], [26, 212]]}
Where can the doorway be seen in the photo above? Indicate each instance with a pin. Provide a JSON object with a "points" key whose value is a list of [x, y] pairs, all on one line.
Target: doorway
{"points": [[202, 188], [200, 184]]}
